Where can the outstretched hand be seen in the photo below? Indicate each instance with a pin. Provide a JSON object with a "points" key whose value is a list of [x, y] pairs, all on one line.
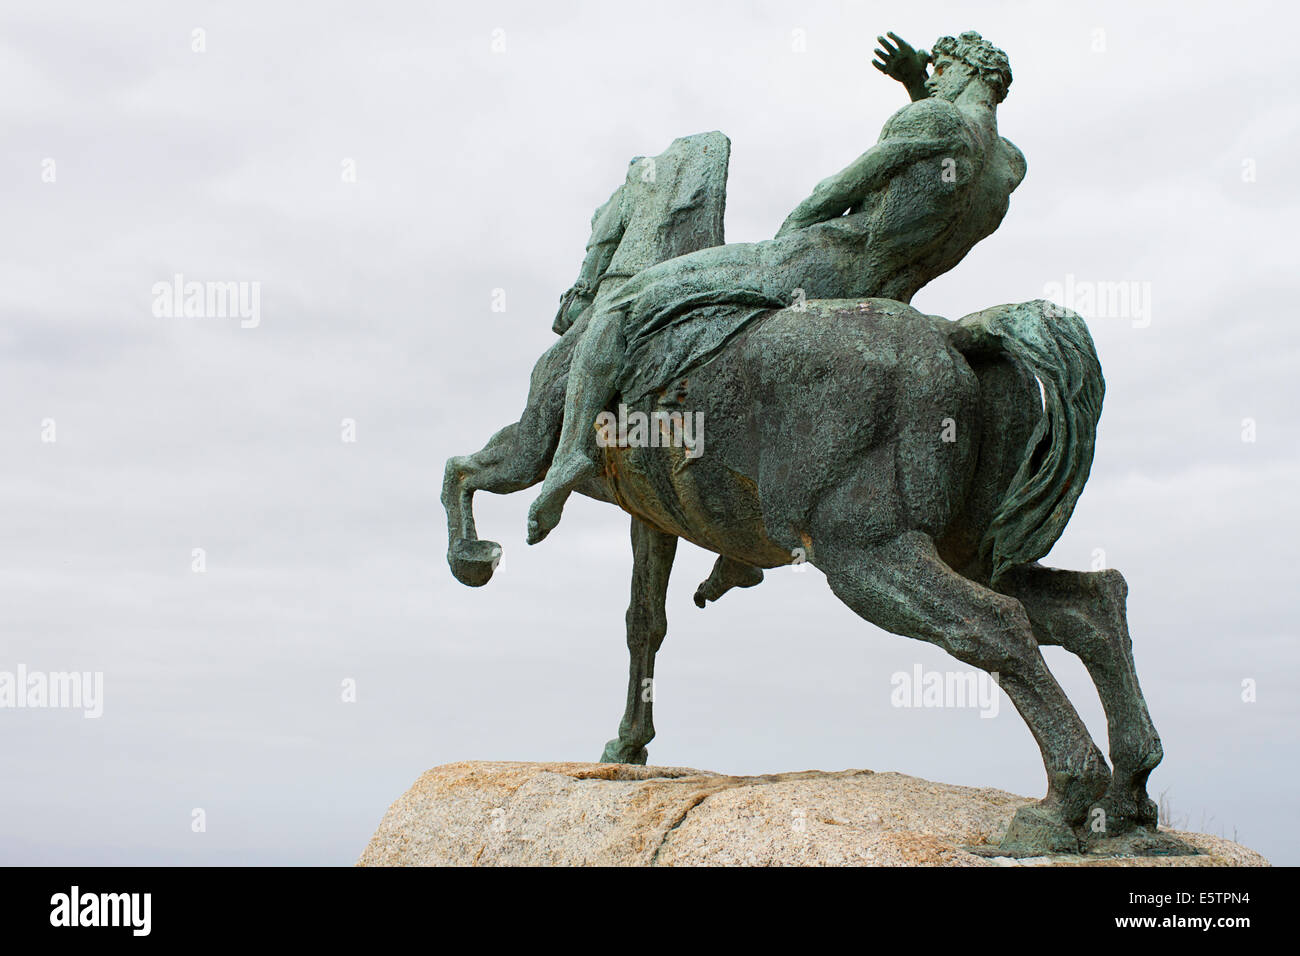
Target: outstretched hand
{"points": [[903, 63]]}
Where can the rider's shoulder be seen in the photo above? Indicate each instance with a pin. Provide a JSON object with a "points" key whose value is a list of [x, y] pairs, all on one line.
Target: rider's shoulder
{"points": [[931, 117]]}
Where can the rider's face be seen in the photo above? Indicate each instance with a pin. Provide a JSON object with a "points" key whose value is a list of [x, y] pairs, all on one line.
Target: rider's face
{"points": [[948, 78]]}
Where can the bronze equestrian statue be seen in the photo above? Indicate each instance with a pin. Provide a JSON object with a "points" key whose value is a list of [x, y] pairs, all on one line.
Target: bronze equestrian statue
{"points": [[923, 465]]}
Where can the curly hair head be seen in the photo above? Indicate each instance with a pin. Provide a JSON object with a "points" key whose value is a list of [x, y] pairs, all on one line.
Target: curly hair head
{"points": [[990, 63]]}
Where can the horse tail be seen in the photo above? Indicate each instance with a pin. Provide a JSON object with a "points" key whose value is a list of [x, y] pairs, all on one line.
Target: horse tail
{"points": [[1053, 344]]}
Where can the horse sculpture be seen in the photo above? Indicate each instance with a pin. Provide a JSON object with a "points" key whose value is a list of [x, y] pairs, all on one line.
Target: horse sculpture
{"points": [[826, 431], [923, 465]]}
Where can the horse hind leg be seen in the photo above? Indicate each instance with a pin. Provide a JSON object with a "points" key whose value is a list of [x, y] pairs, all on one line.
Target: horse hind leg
{"points": [[1084, 612], [904, 587], [727, 573]]}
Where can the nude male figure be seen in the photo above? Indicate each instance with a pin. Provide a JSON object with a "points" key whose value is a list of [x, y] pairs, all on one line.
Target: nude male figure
{"points": [[904, 212]]}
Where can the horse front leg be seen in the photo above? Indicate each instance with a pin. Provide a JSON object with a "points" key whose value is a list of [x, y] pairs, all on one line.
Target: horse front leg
{"points": [[647, 623], [514, 458], [500, 467]]}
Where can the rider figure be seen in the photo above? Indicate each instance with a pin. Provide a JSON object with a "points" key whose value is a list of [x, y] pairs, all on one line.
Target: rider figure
{"points": [[904, 212]]}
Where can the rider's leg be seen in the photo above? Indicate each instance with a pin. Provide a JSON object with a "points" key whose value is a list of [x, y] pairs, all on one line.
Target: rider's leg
{"points": [[591, 385]]}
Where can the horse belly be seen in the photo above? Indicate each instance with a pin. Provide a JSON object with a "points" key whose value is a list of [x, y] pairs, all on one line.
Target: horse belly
{"points": [[694, 496]]}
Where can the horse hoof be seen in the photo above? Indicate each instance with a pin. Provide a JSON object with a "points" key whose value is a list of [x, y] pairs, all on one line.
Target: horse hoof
{"points": [[1036, 830], [618, 752], [1143, 841], [1129, 808], [473, 561]]}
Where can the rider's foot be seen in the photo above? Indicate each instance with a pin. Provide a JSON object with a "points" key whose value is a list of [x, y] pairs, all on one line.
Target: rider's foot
{"points": [[563, 476], [543, 516]]}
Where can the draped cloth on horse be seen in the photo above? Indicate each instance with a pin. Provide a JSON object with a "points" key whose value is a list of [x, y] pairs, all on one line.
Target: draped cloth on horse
{"points": [[684, 332], [670, 205]]}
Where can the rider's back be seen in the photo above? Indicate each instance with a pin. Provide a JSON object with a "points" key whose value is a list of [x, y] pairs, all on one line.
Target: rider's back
{"points": [[930, 214]]}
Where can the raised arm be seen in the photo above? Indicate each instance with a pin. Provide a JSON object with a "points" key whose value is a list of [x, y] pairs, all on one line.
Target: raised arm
{"points": [[903, 64]]}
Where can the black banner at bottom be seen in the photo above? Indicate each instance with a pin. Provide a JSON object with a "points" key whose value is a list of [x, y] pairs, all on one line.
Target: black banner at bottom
{"points": [[331, 905]]}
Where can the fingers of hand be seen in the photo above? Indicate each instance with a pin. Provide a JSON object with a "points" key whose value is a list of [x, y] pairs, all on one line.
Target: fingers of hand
{"points": [[902, 44]]}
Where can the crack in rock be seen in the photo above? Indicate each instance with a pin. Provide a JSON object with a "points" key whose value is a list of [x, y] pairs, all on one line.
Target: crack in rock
{"points": [[694, 802]]}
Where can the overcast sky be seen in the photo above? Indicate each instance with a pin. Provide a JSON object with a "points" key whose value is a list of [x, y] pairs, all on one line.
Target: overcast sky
{"points": [[1161, 151]]}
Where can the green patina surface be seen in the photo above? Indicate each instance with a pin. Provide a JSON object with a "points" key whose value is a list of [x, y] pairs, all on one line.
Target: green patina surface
{"points": [[924, 466]]}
